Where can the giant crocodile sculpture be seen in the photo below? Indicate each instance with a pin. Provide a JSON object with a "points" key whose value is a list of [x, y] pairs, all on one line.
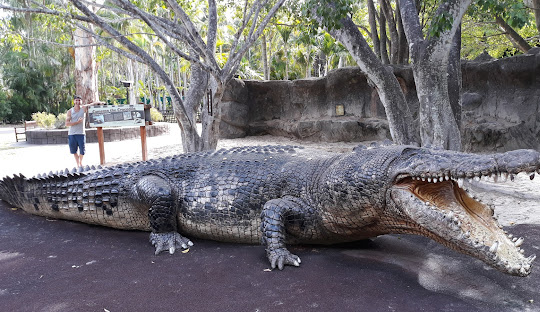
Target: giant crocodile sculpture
{"points": [[281, 195]]}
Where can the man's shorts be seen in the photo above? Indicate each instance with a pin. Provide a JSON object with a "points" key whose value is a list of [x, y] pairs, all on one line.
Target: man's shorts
{"points": [[76, 140]]}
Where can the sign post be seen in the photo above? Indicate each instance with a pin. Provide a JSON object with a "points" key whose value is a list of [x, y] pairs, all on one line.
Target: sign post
{"points": [[101, 145], [117, 116]]}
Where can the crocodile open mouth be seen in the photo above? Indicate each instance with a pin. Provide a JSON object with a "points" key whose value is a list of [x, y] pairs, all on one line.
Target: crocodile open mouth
{"points": [[445, 212]]}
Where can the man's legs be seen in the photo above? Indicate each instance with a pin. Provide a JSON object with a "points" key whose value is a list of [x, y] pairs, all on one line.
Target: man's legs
{"points": [[77, 159], [81, 142], [77, 142]]}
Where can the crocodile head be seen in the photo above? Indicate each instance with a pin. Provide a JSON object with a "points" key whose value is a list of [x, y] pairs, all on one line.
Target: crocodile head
{"points": [[426, 189]]}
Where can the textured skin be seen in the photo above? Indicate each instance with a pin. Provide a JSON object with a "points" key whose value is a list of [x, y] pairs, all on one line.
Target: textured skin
{"points": [[279, 195]]}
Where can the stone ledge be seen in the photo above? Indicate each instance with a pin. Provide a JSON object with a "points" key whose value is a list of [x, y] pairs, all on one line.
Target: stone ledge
{"points": [[340, 129], [496, 135], [60, 136]]}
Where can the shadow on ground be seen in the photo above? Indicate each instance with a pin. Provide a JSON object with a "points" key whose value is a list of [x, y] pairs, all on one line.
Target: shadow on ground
{"points": [[48, 265]]}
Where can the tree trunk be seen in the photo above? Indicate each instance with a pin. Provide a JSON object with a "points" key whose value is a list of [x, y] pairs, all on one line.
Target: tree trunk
{"points": [[266, 70], [536, 9], [438, 127], [455, 78], [86, 83], [286, 61], [211, 116], [382, 25], [308, 65], [372, 12], [517, 41], [403, 50], [392, 28], [400, 120], [196, 92]]}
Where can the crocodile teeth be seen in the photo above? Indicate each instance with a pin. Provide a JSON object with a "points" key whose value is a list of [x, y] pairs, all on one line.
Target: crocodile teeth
{"points": [[531, 258], [514, 239], [519, 242], [460, 182], [494, 247]]}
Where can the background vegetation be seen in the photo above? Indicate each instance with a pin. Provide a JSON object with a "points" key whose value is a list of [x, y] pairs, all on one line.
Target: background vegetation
{"points": [[37, 59]]}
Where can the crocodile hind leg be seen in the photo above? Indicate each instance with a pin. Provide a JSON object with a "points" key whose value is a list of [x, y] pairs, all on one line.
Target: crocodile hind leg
{"points": [[156, 192], [275, 217]]}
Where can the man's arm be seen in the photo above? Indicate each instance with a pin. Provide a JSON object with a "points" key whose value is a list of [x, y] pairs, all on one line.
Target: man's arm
{"points": [[85, 106]]}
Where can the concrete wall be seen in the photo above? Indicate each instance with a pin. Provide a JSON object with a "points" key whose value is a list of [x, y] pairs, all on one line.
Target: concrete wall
{"points": [[501, 105]]}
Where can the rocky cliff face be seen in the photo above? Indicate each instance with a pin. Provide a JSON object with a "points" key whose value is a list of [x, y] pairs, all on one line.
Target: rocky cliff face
{"points": [[501, 105]]}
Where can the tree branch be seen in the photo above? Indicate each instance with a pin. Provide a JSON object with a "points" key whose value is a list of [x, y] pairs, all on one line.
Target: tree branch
{"points": [[46, 11], [147, 59], [148, 19], [411, 23], [229, 69]]}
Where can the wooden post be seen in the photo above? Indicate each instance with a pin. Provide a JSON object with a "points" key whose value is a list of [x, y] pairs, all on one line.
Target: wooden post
{"points": [[143, 143], [101, 145]]}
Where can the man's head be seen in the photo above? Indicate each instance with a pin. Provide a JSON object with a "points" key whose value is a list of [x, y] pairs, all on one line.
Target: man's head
{"points": [[77, 99]]}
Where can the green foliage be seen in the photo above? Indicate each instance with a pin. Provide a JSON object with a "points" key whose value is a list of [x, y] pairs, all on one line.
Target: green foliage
{"points": [[112, 92], [44, 119], [481, 34], [440, 23], [5, 106], [34, 75], [330, 12], [155, 115], [512, 11]]}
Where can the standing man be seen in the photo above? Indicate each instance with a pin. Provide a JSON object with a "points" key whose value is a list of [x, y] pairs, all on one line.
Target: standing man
{"points": [[76, 135]]}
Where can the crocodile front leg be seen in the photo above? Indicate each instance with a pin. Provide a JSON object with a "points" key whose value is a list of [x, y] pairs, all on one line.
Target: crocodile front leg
{"points": [[274, 218], [156, 192]]}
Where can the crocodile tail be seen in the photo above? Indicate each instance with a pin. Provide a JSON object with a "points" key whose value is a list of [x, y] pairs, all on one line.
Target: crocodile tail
{"points": [[12, 190]]}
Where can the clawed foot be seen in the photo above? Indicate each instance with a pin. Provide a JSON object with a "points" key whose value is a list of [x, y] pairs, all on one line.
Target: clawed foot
{"points": [[169, 241], [282, 257]]}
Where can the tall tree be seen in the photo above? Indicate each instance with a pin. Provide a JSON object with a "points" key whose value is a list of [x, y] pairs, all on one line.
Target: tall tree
{"points": [[192, 41], [334, 16], [430, 59], [86, 82]]}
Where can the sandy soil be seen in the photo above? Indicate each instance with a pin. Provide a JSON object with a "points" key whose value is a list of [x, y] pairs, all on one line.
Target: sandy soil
{"points": [[516, 202]]}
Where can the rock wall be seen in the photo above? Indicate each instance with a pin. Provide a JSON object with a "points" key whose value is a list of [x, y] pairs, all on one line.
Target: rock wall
{"points": [[500, 105]]}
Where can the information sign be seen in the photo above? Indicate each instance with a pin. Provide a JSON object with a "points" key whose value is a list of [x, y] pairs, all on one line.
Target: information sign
{"points": [[116, 115]]}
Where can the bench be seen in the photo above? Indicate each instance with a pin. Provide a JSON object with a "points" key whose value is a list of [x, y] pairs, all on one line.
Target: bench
{"points": [[22, 131]]}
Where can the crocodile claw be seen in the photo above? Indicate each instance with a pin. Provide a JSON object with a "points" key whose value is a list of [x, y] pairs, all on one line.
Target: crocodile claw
{"points": [[281, 257], [169, 242]]}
